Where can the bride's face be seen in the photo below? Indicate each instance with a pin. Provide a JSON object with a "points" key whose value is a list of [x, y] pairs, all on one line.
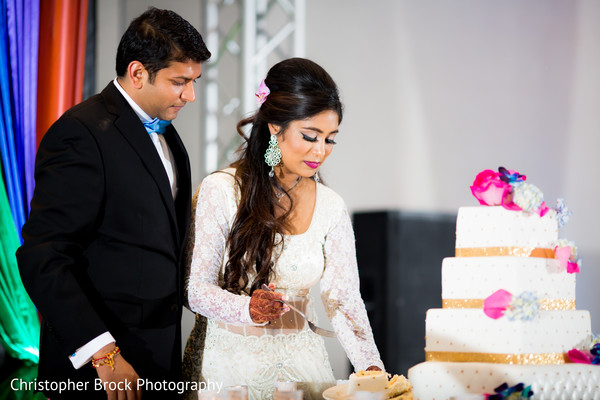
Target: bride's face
{"points": [[306, 144]]}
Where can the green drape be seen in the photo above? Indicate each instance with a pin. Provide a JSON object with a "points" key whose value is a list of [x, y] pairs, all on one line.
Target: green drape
{"points": [[19, 323]]}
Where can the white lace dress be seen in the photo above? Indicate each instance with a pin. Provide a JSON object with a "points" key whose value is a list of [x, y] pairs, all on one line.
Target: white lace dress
{"points": [[236, 351]]}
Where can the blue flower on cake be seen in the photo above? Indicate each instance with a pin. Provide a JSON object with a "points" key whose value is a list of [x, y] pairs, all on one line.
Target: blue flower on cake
{"points": [[524, 307], [517, 392], [562, 212], [510, 177]]}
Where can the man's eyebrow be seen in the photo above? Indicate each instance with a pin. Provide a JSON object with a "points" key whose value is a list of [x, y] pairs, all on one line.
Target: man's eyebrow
{"points": [[185, 78]]}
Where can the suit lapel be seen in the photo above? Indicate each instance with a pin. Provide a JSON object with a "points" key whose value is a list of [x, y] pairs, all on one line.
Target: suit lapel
{"points": [[130, 126], [182, 203]]}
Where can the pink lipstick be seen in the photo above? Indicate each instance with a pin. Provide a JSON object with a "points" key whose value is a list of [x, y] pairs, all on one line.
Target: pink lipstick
{"points": [[313, 165]]}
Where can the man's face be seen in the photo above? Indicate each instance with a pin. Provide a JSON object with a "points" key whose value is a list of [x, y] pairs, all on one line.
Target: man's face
{"points": [[171, 89]]}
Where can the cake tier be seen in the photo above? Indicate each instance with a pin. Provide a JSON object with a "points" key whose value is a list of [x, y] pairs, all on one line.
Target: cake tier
{"points": [[447, 380], [470, 335], [496, 227], [467, 281]]}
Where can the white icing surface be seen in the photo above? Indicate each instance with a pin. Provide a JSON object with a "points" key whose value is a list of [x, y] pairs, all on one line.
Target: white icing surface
{"points": [[479, 277], [470, 330], [496, 227], [443, 380]]}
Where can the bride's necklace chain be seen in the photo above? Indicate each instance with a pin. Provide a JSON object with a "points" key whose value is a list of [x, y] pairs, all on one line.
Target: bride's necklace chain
{"points": [[280, 194]]}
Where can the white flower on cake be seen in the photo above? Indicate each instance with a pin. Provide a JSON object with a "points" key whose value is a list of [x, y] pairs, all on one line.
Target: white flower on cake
{"points": [[527, 196]]}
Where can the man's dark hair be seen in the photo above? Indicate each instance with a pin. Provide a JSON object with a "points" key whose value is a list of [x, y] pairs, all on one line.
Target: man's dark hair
{"points": [[157, 38]]}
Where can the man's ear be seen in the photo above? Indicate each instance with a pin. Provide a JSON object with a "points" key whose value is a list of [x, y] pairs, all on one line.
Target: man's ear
{"points": [[137, 74]]}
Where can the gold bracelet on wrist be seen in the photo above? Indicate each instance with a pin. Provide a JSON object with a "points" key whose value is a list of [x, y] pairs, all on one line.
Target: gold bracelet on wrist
{"points": [[106, 360]]}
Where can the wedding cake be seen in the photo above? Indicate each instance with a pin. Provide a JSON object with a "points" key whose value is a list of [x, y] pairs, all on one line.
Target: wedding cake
{"points": [[509, 322]]}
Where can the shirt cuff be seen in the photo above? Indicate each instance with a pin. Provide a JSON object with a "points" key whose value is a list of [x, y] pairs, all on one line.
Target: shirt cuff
{"points": [[248, 318], [84, 354]]}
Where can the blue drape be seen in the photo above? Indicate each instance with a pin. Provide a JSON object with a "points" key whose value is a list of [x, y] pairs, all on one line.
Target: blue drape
{"points": [[8, 148], [23, 28]]}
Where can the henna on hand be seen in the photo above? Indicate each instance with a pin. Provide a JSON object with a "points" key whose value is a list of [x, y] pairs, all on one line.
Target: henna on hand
{"points": [[264, 306]]}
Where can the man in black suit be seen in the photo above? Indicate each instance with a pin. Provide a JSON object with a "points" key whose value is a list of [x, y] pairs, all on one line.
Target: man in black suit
{"points": [[102, 253]]}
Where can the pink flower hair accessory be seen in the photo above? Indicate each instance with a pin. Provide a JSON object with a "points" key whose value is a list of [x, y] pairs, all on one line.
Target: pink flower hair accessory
{"points": [[262, 93]]}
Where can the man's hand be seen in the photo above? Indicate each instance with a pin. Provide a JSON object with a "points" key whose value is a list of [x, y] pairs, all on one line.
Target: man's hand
{"points": [[264, 306], [120, 384]]}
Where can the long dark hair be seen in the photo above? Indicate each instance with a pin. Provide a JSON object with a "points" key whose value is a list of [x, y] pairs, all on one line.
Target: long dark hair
{"points": [[300, 89]]}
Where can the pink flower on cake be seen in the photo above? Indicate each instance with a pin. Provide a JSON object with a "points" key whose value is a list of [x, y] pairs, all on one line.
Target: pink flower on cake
{"points": [[579, 357], [507, 188], [572, 268], [543, 209], [566, 253], [496, 304], [585, 356], [490, 190], [563, 254], [524, 307]]}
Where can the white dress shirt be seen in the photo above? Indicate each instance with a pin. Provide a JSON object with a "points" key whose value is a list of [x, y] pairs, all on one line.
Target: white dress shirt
{"points": [[84, 354]]}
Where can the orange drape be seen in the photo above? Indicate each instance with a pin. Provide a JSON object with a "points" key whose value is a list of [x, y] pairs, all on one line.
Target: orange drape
{"points": [[63, 25]]}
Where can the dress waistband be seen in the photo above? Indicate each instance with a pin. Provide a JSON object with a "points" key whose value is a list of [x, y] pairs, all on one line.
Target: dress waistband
{"points": [[290, 322]]}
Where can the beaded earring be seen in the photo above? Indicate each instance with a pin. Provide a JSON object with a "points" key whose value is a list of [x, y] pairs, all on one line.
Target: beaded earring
{"points": [[273, 154], [316, 177]]}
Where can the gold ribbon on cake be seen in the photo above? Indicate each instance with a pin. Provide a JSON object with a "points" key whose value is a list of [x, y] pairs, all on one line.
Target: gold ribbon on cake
{"points": [[504, 251], [495, 358], [545, 304]]}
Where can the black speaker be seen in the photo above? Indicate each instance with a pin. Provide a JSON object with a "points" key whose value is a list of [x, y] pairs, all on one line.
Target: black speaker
{"points": [[399, 262]]}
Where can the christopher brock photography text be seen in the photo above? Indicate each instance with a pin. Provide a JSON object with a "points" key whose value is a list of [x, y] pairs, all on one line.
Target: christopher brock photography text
{"points": [[140, 384]]}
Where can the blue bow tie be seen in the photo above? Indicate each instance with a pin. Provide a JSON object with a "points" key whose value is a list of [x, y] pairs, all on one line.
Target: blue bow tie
{"points": [[158, 126]]}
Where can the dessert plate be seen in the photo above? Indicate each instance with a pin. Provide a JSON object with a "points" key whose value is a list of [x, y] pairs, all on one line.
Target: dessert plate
{"points": [[340, 392], [337, 392]]}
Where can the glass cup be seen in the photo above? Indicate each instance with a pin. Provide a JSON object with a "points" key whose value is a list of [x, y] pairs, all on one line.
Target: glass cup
{"points": [[239, 392], [288, 395], [208, 395]]}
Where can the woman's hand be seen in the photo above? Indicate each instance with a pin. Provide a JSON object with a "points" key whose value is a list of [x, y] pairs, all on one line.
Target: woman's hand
{"points": [[373, 368], [264, 306]]}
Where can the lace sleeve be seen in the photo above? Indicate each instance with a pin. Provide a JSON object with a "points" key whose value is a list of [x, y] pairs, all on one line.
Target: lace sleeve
{"points": [[341, 296], [208, 249]]}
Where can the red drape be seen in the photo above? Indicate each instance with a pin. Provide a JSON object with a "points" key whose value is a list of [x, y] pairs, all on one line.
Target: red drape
{"points": [[63, 25]]}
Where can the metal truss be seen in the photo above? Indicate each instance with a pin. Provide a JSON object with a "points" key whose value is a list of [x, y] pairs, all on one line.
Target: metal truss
{"points": [[245, 37]]}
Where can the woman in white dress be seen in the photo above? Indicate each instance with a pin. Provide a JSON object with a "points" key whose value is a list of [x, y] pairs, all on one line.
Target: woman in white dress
{"points": [[268, 220]]}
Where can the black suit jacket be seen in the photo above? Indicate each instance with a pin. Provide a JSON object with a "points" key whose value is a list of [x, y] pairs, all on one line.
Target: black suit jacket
{"points": [[103, 243]]}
